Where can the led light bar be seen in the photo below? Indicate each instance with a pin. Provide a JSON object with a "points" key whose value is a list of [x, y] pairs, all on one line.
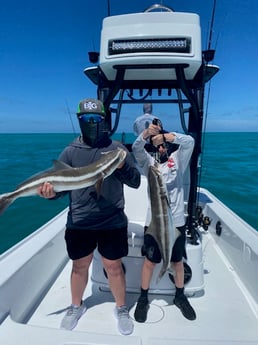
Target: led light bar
{"points": [[174, 45]]}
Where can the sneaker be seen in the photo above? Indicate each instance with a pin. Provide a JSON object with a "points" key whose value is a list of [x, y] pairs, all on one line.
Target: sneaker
{"points": [[125, 323], [141, 309], [72, 316], [183, 304]]}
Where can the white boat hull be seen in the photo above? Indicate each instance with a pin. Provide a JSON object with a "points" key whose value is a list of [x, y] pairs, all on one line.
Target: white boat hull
{"points": [[35, 292]]}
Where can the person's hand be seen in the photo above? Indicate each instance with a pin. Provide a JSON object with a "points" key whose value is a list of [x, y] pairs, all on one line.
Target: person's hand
{"points": [[120, 166], [46, 190], [158, 139], [152, 130], [162, 138]]}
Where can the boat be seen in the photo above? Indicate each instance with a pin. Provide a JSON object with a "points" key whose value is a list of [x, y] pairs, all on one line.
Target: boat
{"points": [[152, 55]]}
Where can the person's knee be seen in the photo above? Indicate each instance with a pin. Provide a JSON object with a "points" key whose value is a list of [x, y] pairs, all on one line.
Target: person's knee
{"points": [[114, 268], [81, 265], [178, 266], [149, 265]]}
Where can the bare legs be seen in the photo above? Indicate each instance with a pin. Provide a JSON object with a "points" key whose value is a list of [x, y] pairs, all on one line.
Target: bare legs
{"points": [[116, 279], [80, 276], [148, 268]]}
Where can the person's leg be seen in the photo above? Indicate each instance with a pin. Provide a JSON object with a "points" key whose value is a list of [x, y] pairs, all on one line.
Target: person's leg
{"points": [[180, 299], [152, 256], [147, 272], [80, 245], [113, 245], [179, 273], [177, 264], [79, 278], [116, 279]]}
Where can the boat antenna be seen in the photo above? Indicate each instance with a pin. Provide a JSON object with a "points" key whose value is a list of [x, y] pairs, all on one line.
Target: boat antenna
{"points": [[70, 116], [212, 24], [108, 7]]}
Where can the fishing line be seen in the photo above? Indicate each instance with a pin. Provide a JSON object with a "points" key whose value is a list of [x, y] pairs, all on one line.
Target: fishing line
{"points": [[70, 116]]}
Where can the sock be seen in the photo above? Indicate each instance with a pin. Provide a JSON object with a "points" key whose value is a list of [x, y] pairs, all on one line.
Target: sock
{"points": [[144, 293], [179, 291]]}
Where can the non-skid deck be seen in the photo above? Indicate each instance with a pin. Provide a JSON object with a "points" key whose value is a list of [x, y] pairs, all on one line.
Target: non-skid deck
{"points": [[223, 314]]}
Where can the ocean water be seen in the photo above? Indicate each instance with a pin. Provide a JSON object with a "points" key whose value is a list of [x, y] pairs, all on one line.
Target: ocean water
{"points": [[229, 171]]}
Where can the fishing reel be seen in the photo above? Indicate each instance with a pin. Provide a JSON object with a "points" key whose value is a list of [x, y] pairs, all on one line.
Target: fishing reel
{"points": [[203, 221]]}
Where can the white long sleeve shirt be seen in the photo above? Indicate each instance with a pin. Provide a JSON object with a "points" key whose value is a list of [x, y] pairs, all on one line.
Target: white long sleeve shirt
{"points": [[172, 170]]}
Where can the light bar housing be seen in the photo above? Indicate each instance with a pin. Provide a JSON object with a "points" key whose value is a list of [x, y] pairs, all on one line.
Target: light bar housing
{"points": [[172, 45], [151, 39]]}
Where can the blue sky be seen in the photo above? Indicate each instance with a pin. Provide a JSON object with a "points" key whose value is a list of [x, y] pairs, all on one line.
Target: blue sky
{"points": [[44, 48]]}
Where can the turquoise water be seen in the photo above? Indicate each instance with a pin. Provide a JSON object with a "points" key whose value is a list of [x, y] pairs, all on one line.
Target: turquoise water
{"points": [[229, 170]]}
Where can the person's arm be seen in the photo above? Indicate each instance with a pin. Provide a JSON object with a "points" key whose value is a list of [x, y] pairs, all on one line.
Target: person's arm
{"points": [[186, 143], [142, 157], [128, 174]]}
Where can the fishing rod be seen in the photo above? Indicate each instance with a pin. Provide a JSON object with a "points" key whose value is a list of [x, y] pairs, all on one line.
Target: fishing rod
{"points": [[208, 55], [70, 116], [212, 24], [108, 7]]}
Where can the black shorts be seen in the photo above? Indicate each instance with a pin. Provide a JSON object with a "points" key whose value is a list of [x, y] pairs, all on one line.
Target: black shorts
{"points": [[151, 250], [111, 244]]}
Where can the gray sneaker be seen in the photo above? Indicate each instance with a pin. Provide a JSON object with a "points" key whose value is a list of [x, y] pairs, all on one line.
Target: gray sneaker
{"points": [[125, 323], [72, 316]]}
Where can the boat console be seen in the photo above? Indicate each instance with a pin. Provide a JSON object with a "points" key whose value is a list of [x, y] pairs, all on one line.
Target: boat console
{"points": [[155, 56]]}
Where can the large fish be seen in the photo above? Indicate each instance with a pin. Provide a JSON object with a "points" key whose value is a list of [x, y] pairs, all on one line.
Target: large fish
{"points": [[65, 178], [161, 226]]}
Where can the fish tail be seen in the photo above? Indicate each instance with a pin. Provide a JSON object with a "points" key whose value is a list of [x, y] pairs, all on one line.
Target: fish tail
{"points": [[5, 201], [161, 274]]}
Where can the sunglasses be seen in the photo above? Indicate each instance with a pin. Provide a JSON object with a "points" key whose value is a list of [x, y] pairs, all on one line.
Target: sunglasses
{"points": [[91, 118], [161, 145]]}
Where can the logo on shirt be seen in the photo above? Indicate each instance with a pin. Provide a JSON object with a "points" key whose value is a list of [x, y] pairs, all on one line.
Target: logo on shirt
{"points": [[171, 163]]}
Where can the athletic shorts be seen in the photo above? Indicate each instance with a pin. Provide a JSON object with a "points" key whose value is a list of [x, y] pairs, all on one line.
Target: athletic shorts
{"points": [[151, 250], [111, 244]]}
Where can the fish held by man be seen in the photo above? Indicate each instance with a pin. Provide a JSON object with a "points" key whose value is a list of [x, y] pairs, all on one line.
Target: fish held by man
{"points": [[161, 226], [65, 178]]}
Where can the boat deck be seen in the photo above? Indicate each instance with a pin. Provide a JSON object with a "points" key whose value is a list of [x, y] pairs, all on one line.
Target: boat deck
{"points": [[224, 314], [227, 313]]}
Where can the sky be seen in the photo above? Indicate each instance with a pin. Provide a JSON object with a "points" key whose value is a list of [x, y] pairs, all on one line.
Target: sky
{"points": [[44, 47]]}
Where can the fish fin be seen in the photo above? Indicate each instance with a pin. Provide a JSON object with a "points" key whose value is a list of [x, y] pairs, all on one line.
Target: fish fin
{"points": [[5, 201], [98, 186], [59, 165]]}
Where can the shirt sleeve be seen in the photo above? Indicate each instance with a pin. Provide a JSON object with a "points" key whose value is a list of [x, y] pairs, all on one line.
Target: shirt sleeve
{"points": [[186, 145], [129, 173], [143, 158]]}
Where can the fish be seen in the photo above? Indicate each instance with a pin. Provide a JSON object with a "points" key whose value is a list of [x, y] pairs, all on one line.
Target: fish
{"points": [[66, 178], [161, 225]]}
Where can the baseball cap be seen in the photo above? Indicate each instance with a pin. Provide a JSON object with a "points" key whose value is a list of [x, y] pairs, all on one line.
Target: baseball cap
{"points": [[91, 106]]}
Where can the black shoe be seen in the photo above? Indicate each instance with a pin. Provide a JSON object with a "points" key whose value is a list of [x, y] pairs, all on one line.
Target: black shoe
{"points": [[141, 309], [187, 310]]}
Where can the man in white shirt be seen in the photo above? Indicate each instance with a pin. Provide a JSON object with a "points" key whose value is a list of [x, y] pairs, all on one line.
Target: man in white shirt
{"points": [[173, 152]]}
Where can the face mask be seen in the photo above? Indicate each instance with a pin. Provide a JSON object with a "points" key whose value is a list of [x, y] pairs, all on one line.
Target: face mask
{"points": [[93, 133]]}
